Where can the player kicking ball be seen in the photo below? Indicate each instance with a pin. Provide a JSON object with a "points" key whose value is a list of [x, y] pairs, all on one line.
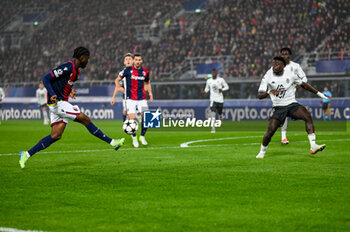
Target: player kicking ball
{"points": [[137, 82], [280, 83], [59, 83]]}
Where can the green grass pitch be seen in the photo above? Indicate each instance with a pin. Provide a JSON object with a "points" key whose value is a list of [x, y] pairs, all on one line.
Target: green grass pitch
{"points": [[81, 184]]}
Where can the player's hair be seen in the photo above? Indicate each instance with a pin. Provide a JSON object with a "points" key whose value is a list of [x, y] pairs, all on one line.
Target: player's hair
{"points": [[137, 54], [280, 58], [129, 54], [214, 69], [80, 51], [286, 49]]}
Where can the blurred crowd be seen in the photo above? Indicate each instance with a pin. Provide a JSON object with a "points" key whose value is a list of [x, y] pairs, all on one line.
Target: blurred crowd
{"points": [[251, 31]]}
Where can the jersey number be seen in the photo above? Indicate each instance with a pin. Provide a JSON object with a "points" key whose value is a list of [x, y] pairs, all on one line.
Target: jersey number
{"points": [[58, 72], [281, 91]]}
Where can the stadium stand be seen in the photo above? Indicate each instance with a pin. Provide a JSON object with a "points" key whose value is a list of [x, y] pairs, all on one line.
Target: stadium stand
{"points": [[243, 35]]}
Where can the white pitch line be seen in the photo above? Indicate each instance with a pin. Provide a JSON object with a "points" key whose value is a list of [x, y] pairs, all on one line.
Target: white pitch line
{"points": [[95, 150], [184, 145], [173, 147], [4, 229], [207, 140]]}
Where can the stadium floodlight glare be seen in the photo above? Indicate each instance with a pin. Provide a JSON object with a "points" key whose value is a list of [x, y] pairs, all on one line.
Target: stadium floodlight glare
{"points": [[35, 23], [197, 10]]}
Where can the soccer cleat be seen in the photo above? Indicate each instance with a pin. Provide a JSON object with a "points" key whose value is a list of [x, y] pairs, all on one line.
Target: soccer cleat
{"points": [[213, 131], [260, 155], [143, 140], [117, 143], [316, 148], [135, 143], [23, 158], [284, 142]]}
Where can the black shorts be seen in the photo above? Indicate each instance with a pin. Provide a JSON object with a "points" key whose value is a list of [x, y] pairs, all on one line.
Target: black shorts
{"points": [[325, 105], [43, 105], [281, 112], [217, 105]]}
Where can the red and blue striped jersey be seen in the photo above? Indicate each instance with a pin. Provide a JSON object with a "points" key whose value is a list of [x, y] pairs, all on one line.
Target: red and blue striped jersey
{"points": [[60, 81], [135, 79]]}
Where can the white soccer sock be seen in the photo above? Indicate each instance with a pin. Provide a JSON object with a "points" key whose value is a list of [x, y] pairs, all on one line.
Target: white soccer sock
{"points": [[284, 129], [284, 134], [27, 154], [263, 148], [46, 118], [312, 139], [112, 142], [213, 114]]}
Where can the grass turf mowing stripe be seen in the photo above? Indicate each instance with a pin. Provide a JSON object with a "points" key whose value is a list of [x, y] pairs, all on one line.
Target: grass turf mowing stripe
{"points": [[176, 147]]}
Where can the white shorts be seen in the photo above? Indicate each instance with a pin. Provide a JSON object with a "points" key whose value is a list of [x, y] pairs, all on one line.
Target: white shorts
{"points": [[134, 106], [62, 112], [124, 104]]}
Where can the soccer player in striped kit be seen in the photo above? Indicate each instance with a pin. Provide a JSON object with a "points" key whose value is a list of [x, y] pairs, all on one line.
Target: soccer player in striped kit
{"points": [[137, 82], [59, 83]]}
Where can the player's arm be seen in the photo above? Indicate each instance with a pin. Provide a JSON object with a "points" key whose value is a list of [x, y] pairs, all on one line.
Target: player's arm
{"points": [[46, 80], [2, 94], [72, 93], [64, 69], [224, 85], [148, 88], [263, 91], [313, 90], [37, 95], [116, 89], [301, 74], [206, 89], [264, 94]]}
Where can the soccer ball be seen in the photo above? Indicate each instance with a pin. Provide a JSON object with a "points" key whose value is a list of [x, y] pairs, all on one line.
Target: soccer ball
{"points": [[130, 126]]}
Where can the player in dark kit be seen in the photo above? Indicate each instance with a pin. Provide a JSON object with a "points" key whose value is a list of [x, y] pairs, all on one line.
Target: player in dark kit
{"points": [[137, 82], [59, 83]]}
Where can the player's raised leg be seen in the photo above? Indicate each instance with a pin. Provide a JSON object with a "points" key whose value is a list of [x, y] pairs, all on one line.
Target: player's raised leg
{"points": [[272, 127], [57, 130], [303, 114], [85, 120], [284, 140]]}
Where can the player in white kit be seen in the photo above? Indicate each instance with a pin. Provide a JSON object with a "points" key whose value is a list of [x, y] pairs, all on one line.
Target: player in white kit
{"points": [[216, 85], [41, 97], [286, 54], [280, 83]]}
